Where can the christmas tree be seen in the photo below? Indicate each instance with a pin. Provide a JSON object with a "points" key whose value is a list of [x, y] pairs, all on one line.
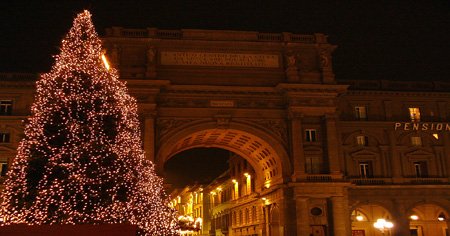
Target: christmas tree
{"points": [[81, 161]]}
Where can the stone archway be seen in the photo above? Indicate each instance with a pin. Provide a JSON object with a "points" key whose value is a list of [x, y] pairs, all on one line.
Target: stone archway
{"points": [[428, 219], [365, 215], [266, 155]]}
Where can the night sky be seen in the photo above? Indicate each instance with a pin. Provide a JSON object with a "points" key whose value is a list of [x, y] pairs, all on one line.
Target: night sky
{"points": [[393, 40]]}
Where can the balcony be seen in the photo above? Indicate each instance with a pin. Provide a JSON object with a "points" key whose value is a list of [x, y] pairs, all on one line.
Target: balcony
{"points": [[416, 180], [371, 181]]}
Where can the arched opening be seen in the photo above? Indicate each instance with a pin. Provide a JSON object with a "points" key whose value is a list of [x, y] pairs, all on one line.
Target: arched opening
{"points": [[195, 166], [255, 161], [207, 185], [364, 218], [428, 219], [267, 156]]}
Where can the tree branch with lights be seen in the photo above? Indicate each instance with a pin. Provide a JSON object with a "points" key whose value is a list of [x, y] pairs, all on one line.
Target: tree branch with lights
{"points": [[81, 161]]}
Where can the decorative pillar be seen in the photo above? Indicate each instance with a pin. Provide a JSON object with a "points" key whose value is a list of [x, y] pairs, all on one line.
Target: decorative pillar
{"points": [[401, 221], [303, 227], [341, 216], [298, 157], [332, 145], [289, 217], [447, 152], [266, 228], [149, 136], [396, 165]]}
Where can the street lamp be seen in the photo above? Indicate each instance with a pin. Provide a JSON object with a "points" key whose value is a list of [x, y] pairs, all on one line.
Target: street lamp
{"points": [[383, 225]]}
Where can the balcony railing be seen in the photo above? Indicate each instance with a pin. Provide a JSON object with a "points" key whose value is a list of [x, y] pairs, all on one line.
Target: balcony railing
{"points": [[214, 35], [371, 181], [319, 178], [428, 181]]}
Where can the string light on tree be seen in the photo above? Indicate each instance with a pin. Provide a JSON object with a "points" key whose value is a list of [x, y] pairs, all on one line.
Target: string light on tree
{"points": [[81, 161]]}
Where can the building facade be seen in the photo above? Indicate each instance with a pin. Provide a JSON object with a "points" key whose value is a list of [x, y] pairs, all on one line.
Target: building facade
{"points": [[329, 157]]}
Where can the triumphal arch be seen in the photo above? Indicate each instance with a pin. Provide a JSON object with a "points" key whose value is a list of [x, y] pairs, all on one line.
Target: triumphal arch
{"points": [[246, 92]]}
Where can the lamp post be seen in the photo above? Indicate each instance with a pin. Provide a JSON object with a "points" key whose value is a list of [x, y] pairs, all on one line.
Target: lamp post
{"points": [[383, 225]]}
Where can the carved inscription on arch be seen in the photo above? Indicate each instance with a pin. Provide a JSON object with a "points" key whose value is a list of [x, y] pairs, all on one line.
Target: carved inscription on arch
{"points": [[219, 59]]}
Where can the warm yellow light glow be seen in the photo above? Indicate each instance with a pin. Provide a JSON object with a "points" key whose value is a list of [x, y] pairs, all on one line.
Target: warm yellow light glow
{"points": [[267, 184], [105, 61], [246, 175], [414, 217], [84, 131], [436, 136], [359, 218], [383, 224], [219, 189], [234, 181]]}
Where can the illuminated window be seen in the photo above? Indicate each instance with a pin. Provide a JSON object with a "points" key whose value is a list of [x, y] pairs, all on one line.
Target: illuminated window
{"points": [[3, 168], [4, 137], [5, 107], [365, 169], [362, 140], [416, 141], [414, 114], [311, 135], [360, 112], [420, 168]]}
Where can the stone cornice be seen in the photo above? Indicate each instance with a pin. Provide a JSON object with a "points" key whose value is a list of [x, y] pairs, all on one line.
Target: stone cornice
{"points": [[397, 86], [207, 89], [214, 35], [422, 94], [301, 89], [18, 84]]}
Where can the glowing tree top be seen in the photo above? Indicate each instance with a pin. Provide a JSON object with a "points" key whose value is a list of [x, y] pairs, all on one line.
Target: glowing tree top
{"points": [[81, 161]]}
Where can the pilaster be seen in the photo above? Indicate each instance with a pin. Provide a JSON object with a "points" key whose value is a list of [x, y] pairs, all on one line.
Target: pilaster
{"points": [[332, 144], [395, 159], [303, 228], [340, 216], [149, 136], [298, 158]]}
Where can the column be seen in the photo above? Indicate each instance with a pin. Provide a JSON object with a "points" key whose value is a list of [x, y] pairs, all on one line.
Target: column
{"points": [[149, 137], [288, 218], [447, 152], [298, 158], [332, 144], [303, 228], [401, 221], [341, 217], [266, 229]]}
